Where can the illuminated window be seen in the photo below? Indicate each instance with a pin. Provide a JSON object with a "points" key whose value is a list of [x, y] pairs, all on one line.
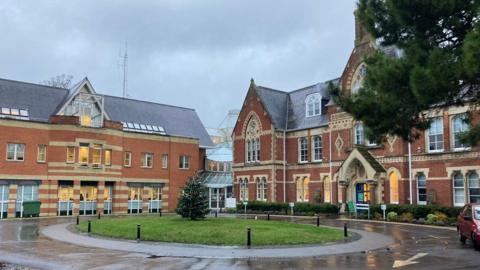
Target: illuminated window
{"points": [[460, 125], [303, 189], [327, 197], [184, 162], [154, 193], [421, 189], [394, 188], [313, 103], [83, 154], [303, 150], [127, 159], [97, 154], [71, 154], [15, 152], [88, 193], [107, 193], [317, 148], [108, 157], [165, 161], [147, 160], [458, 189], [65, 193], [261, 189], [14, 111], [42, 153], [435, 135]]}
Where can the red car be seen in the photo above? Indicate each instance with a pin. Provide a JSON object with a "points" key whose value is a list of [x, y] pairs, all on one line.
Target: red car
{"points": [[468, 224]]}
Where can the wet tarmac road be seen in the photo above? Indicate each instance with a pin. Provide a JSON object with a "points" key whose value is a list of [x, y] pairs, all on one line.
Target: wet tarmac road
{"points": [[21, 244]]}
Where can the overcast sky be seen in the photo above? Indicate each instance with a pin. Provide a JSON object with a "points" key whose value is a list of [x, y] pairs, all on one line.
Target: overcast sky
{"points": [[197, 54]]}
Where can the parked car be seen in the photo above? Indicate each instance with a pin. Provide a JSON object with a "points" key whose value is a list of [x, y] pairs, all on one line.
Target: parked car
{"points": [[468, 224]]}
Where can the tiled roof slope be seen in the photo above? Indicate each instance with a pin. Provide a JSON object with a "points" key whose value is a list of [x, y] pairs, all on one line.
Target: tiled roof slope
{"points": [[43, 101]]}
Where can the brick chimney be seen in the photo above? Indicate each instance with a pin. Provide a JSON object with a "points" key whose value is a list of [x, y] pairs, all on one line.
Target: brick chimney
{"points": [[361, 34]]}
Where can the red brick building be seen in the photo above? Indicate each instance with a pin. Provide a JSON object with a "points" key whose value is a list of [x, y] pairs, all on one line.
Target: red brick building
{"points": [[79, 152], [298, 146]]}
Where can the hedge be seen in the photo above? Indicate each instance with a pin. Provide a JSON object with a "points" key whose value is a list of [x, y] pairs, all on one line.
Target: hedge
{"points": [[418, 211], [300, 208]]}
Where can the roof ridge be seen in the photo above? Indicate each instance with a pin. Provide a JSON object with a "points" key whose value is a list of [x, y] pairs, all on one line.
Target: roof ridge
{"points": [[145, 101], [37, 84], [271, 89]]}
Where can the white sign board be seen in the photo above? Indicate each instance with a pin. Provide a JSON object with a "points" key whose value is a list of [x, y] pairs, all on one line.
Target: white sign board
{"points": [[383, 207], [231, 203], [291, 204], [245, 203]]}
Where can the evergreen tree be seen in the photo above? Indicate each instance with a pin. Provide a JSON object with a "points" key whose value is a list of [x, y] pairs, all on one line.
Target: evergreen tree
{"points": [[193, 201], [439, 65]]}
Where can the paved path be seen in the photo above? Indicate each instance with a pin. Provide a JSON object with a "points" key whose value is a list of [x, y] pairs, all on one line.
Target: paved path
{"points": [[367, 241]]}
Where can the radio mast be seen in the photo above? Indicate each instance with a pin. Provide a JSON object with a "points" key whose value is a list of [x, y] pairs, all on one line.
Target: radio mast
{"points": [[125, 70]]}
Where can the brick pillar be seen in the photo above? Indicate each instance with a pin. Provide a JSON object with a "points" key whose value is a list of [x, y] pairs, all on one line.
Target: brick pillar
{"points": [[12, 199], [100, 196], [145, 199], [76, 197], [165, 206], [53, 197], [120, 198], [44, 198], [373, 194]]}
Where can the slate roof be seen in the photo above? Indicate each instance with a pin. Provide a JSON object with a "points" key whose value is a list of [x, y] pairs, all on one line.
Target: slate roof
{"points": [[370, 159], [43, 101], [281, 104]]}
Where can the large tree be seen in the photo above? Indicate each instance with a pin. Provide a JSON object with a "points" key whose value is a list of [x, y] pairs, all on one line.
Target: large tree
{"points": [[193, 201], [438, 64]]}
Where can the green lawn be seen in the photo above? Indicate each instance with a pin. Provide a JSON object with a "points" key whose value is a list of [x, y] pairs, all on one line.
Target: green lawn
{"points": [[211, 231]]}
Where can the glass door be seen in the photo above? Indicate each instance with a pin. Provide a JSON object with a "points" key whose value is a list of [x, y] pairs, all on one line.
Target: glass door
{"points": [[88, 200], [65, 200], [4, 192], [362, 191], [25, 193], [135, 200], [107, 200], [154, 199]]}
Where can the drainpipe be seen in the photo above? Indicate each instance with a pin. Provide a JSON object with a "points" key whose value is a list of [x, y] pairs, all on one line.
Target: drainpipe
{"points": [[330, 163], [285, 158], [410, 170]]}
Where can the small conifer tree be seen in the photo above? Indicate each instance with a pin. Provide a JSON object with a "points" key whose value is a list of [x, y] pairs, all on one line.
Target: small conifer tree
{"points": [[193, 201]]}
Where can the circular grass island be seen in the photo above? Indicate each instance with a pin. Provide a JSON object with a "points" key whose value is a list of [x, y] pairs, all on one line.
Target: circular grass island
{"points": [[212, 231]]}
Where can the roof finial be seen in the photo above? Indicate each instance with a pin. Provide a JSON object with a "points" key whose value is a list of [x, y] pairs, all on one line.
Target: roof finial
{"points": [[252, 81]]}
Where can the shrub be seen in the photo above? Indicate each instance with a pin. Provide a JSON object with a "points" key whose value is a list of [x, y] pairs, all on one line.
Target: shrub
{"points": [[392, 216], [418, 211], [282, 208], [441, 217], [431, 219], [406, 217], [377, 216], [231, 210]]}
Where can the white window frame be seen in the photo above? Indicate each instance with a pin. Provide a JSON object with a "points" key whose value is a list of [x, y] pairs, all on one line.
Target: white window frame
{"points": [[469, 186], [145, 157], [129, 155], [243, 185], [184, 162], [316, 148], [44, 149], [359, 133], [88, 154], [108, 161], [327, 187], [164, 161], [419, 202], [428, 134], [455, 203], [302, 147], [97, 149], [314, 100], [73, 154], [16, 152], [261, 184], [454, 134]]}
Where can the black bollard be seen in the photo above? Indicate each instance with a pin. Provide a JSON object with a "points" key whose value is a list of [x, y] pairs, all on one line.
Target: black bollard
{"points": [[268, 216], [249, 238], [78, 220], [98, 215], [216, 214], [160, 211], [89, 227], [318, 220], [138, 232], [345, 230]]}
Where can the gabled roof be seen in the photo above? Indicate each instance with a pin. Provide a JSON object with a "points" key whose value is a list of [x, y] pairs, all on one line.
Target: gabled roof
{"points": [[43, 101], [281, 105]]}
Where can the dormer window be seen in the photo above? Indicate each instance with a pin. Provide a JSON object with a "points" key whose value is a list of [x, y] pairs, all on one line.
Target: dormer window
{"points": [[313, 103]]}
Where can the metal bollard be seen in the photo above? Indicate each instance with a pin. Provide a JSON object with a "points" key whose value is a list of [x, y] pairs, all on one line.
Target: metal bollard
{"points": [[78, 220], [89, 227], [216, 214], [318, 220], [249, 237], [160, 211], [345, 230], [138, 232], [99, 215], [268, 216]]}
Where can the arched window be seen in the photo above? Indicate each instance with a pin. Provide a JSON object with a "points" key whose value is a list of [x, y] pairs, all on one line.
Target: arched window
{"points": [[458, 189], [393, 179], [474, 188], [261, 189], [317, 148], [302, 189], [243, 183], [460, 126], [421, 189], [303, 150], [357, 79], [252, 141], [327, 194], [313, 105], [435, 135], [359, 134]]}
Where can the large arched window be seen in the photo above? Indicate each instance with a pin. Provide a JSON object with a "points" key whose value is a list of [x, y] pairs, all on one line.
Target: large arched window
{"points": [[302, 189], [313, 105], [243, 183], [357, 79], [317, 148], [252, 141], [458, 189], [261, 188], [421, 189], [459, 126], [393, 180], [327, 193], [473, 188], [359, 134]]}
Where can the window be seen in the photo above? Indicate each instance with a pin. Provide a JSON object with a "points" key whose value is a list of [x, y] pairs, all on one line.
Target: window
{"points": [[135, 200], [460, 126], [261, 189], [108, 157], [252, 141], [127, 159], [458, 189], [165, 161], [88, 193], [184, 162], [5, 110], [83, 154], [42, 153], [421, 189], [359, 135], [317, 148], [65, 193], [70, 154], [243, 183], [473, 188], [435, 135], [15, 152], [14, 112], [357, 79], [302, 189], [154, 193], [85, 117], [147, 160], [303, 150], [97, 155], [393, 180], [257, 150], [313, 103], [327, 197]]}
